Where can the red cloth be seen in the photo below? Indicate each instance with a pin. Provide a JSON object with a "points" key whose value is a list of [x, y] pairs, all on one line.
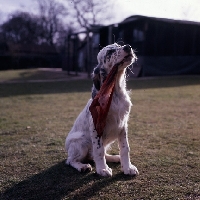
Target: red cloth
{"points": [[101, 103]]}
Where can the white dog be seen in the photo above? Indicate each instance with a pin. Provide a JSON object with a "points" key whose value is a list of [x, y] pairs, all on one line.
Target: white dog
{"points": [[83, 141]]}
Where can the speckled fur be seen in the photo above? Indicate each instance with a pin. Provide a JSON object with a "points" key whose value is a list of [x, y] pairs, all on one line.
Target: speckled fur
{"points": [[82, 141]]}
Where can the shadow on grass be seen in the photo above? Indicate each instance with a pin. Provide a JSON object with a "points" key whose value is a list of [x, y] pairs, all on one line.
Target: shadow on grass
{"points": [[58, 182], [56, 87], [8, 89]]}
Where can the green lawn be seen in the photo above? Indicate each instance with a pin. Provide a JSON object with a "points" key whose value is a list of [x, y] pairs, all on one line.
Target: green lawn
{"points": [[164, 138]]}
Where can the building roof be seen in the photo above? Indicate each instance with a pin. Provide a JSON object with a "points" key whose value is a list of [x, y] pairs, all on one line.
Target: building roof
{"points": [[138, 17]]}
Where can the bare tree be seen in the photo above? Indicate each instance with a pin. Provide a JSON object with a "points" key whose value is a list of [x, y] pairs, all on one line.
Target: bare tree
{"points": [[21, 28], [90, 12], [51, 13]]}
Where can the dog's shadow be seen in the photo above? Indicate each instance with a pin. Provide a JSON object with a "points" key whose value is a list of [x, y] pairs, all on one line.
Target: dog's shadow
{"points": [[60, 181]]}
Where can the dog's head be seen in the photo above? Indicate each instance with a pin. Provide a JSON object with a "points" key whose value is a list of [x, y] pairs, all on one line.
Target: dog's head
{"points": [[107, 58]]}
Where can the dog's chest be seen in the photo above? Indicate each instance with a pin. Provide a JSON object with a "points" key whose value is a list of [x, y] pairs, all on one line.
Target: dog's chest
{"points": [[119, 111], [117, 118]]}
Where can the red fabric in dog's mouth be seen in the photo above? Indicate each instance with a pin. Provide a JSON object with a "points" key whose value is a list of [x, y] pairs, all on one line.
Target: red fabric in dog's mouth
{"points": [[101, 103]]}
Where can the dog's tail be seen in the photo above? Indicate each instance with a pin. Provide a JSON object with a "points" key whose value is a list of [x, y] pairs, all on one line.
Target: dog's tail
{"points": [[112, 158]]}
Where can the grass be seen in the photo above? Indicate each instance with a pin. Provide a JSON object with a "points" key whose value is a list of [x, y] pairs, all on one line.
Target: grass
{"points": [[36, 74], [24, 74], [163, 135]]}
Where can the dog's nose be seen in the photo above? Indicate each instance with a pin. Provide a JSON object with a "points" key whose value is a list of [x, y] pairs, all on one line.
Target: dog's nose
{"points": [[127, 48]]}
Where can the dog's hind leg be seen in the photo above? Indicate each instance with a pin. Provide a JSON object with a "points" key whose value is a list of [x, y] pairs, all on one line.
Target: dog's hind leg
{"points": [[76, 154], [112, 158]]}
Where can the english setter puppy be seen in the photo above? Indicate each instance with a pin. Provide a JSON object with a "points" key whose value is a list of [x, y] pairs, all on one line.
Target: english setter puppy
{"points": [[83, 141]]}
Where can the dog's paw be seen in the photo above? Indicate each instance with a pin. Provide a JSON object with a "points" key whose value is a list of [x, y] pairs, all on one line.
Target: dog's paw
{"points": [[79, 166], [131, 170], [85, 168], [105, 172]]}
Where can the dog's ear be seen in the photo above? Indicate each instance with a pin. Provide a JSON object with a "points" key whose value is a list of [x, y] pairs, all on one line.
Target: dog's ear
{"points": [[96, 77]]}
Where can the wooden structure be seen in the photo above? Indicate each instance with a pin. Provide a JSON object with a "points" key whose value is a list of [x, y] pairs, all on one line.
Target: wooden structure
{"points": [[23, 56], [164, 46], [81, 52]]}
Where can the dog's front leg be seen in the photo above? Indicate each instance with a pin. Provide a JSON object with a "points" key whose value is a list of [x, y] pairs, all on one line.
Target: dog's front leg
{"points": [[126, 165], [99, 155]]}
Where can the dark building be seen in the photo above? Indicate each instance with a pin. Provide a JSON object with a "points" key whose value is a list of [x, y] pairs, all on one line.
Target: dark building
{"points": [[163, 46]]}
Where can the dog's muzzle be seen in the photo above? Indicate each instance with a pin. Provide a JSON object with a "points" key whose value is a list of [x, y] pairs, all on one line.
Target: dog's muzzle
{"points": [[127, 48], [128, 58]]}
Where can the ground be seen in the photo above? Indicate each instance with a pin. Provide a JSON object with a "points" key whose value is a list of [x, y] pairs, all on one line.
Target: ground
{"points": [[35, 118]]}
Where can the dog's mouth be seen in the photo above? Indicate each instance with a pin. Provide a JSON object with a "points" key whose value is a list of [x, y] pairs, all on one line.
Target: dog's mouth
{"points": [[128, 58]]}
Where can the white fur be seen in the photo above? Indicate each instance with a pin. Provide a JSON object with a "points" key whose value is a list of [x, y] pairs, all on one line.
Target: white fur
{"points": [[83, 142]]}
